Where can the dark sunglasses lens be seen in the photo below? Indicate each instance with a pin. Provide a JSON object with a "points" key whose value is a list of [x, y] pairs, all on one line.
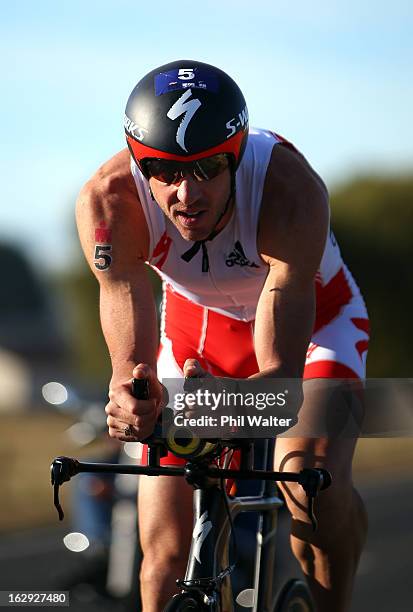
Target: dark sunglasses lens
{"points": [[168, 171], [161, 169], [209, 167]]}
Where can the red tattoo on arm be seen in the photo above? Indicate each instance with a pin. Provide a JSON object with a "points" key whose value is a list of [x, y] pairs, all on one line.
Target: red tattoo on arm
{"points": [[103, 234]]}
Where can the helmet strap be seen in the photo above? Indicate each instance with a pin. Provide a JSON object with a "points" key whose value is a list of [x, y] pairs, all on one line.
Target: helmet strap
{"points": [[231, 195]]}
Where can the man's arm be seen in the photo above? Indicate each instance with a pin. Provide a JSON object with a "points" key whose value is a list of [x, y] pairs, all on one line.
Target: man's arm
{"points": [[292, 233], [114, 236], [291, 239]]}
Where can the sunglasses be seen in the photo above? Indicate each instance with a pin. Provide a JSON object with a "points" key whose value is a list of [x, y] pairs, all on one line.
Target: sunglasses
{"points": [[169, 171]]}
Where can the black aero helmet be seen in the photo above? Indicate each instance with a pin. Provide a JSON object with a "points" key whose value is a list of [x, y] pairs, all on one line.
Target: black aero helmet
{"points": [[185, 111]]}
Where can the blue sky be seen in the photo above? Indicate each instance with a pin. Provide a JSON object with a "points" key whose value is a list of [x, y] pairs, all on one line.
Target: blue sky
{"points": [[333, 77]]}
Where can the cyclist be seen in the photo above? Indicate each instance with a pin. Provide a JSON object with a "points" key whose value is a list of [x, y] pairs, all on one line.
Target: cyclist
{"points": [[237, 224]]}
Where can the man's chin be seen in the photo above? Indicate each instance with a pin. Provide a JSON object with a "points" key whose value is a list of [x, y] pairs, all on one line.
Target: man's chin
{"points": [[192, 234]]}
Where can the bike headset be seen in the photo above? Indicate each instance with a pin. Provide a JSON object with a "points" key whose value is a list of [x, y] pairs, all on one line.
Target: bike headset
{"points": [[185, 111]]}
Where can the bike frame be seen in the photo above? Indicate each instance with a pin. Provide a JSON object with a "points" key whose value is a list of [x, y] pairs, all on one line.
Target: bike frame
{"points": [[210, 543]]}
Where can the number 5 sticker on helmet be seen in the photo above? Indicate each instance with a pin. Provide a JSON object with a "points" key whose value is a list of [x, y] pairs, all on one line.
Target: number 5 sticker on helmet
{"points": [[186, 73]]}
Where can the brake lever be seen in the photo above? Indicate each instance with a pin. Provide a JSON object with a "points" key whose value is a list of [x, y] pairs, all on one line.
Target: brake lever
{"points": [[61, 470], [314, 480]]}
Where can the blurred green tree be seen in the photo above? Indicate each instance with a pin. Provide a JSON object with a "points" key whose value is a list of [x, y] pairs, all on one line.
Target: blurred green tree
{"points": [[372, 217]]}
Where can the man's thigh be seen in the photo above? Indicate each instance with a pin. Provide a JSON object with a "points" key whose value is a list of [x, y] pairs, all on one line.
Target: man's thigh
{"points": [[165, 516]]}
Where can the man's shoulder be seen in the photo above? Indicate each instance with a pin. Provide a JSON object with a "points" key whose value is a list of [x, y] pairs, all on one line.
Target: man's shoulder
{"points": [[290, 170], [285, 167], [291, 184], [294, 203], [109, 200], [113, 179]]}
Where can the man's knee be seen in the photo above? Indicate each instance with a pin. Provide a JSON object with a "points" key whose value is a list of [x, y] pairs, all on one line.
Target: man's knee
{"points": [[162, 564], [340, 515]]}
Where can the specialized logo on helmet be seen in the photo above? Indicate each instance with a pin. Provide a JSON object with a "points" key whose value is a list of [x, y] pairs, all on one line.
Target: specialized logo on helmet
{"points": [[186, 107], [133, 129]]}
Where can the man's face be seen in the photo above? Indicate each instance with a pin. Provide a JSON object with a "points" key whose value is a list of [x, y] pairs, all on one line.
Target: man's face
{"points": [[194, 207]]}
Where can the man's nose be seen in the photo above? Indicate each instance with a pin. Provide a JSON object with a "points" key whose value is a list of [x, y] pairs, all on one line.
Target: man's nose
{"points": [[189, 189]]}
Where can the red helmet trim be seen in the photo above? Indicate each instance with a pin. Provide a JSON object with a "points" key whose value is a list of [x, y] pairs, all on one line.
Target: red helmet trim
{"points": [[141, 151]]}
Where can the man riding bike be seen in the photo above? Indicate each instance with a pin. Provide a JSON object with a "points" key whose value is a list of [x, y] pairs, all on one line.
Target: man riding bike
{"points": [[237, 224]]}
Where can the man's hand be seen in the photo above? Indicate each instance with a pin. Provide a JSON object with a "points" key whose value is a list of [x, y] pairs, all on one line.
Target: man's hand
{"points": [[124, 410], [192, 369], [215, 385]]}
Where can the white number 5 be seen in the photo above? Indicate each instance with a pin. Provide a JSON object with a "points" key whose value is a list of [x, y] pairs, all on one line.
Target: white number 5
{"points": [[186, 73]]}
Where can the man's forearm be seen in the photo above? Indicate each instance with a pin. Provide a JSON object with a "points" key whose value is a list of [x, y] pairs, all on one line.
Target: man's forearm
{"points": [[129, 325]]}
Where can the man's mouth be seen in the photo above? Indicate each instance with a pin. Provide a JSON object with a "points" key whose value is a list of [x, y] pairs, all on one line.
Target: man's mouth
{"points": [[190, 215], [189, 219]]}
